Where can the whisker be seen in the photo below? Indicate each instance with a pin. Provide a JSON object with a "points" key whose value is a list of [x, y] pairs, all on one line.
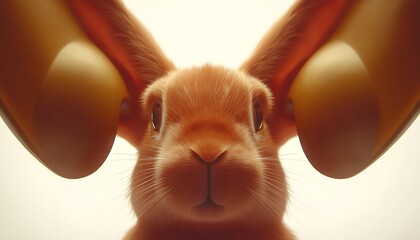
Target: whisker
{"points": [[147, 189], [153, 200], [261, 203], [144, 180]]}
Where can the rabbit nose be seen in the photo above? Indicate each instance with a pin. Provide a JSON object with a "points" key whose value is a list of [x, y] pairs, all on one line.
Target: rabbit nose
{"points": [[208, 155]]}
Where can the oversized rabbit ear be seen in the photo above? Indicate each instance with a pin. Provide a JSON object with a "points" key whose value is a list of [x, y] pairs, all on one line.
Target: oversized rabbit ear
{"points": [[59, 94], [132, 50], [360, 89]]}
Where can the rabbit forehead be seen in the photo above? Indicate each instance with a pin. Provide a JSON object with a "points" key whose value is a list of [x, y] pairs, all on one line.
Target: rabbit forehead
{"points": [[211, 90]]}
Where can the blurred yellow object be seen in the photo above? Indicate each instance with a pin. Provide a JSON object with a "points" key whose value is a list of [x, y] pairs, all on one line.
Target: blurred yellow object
{"points": [[358, 93], [59, 93]]}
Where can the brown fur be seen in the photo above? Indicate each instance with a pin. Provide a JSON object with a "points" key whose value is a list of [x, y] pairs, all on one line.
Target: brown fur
{"points": [[208, 110]]}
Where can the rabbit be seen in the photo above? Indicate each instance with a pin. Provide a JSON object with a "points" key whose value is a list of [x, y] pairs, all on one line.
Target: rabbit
{"points": [[208, 136], [208, 166]]}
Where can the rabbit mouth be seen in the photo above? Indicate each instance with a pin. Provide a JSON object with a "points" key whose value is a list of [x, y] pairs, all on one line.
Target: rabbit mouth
{"points": [[209, 209], [209, 201], [209, 205]]}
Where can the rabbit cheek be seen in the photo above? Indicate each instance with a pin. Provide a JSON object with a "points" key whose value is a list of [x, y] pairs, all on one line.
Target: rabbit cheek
{"points": [[143, 186]]}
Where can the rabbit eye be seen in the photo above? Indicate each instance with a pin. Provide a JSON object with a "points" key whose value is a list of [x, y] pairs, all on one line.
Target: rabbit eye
{"points": [[258, 118], [156, 118]]}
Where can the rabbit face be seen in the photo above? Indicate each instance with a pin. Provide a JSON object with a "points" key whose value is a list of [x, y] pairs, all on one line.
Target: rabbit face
{"points": [[208, 155]]}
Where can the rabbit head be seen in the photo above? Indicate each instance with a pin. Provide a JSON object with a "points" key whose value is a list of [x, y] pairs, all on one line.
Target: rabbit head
{"points": [[207, 154]]}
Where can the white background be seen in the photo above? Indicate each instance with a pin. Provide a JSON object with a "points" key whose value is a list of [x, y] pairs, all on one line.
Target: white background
{"points": [[380, 203]]}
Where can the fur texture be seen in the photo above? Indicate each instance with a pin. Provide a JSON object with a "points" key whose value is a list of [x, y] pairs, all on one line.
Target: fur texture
{"points": [[207, 174]]}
